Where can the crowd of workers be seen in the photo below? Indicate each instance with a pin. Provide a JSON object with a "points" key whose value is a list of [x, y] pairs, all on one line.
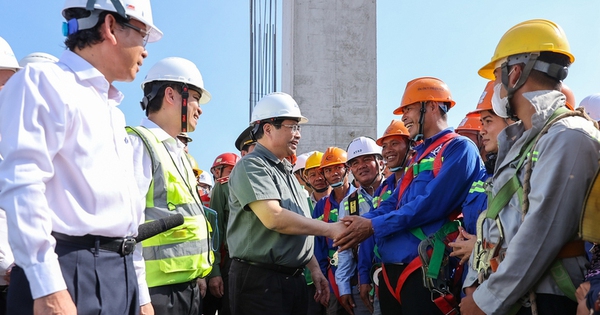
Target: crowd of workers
{"points": [[425, 219]]}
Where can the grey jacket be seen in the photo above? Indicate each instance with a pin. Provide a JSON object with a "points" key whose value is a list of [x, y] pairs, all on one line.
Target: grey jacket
{"points": [[567, 162]]}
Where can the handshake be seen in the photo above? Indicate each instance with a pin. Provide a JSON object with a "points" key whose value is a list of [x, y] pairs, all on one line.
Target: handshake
{"points": [[349, 232]]}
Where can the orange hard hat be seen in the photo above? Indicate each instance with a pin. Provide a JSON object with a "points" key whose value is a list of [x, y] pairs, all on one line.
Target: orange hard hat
{"points": [[469, 123], [570, 96], [485, 101], [333, 156], [225, 159], [425, 89], [396, 128]]}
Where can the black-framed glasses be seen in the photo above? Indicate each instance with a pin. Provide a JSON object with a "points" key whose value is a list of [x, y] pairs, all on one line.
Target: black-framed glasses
{"points": [[145, 34]]}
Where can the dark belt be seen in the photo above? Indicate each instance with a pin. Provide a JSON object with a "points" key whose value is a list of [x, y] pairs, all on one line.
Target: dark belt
{"points": [[288, 271], [123, 246]]}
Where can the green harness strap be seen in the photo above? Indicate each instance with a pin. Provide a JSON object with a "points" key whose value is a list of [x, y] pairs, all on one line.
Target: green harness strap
{"points": [[497, 203]]}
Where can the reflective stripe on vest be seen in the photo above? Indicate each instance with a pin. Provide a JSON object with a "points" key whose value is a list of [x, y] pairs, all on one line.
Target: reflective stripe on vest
{"points": [[183, 253]]}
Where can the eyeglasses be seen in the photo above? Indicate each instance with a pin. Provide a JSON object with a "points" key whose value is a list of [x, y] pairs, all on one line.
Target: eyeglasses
{"points": [[145, 34], [295, 128]]}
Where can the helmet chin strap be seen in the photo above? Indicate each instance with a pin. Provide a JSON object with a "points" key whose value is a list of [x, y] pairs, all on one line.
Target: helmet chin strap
{"points": [[520, 82], [420, 136], [184, 108]]}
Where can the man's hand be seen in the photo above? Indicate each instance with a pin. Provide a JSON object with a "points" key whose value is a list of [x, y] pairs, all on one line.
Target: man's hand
{"points": [[463, 246], [335, 230], [322, 287], [202, 287], [468, 305], [7, 274], [348, 303], [581, 294], [57, 303], [358, 229], [366, 297], [215, 285], [147, 309]]}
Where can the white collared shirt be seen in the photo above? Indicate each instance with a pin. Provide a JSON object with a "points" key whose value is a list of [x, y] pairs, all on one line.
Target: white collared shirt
{"points": [[68, 166]]}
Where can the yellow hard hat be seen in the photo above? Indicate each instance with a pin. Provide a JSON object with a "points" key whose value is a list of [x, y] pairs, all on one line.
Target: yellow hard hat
{"points": [[529, 36], [195, 167], [313, 161]]}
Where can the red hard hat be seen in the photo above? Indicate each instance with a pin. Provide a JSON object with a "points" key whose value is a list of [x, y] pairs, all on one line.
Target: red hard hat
{"points": [[225, 159]]}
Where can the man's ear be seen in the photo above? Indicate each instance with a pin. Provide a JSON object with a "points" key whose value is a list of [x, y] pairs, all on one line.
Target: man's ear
{"points": [[169, 95], [108, 28]]}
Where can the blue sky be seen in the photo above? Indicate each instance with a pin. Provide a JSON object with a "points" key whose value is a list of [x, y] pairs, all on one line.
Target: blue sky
{"points": [[450, 40]]}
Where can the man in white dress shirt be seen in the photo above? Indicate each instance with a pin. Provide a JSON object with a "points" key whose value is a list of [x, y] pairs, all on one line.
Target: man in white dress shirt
{"points": [[66, 181]]}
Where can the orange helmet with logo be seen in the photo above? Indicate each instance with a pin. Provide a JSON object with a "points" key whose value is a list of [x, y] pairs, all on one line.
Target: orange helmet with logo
{"points": [[469, 123], [333, 156], [396, 128], [485, 101], [423, 90]]}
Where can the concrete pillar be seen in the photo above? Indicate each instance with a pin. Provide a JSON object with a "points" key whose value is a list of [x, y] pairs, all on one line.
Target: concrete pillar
{"points": [[329, 66]]}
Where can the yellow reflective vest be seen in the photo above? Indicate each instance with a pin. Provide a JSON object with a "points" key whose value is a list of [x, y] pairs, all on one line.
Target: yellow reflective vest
{"points": [[183, 253]]}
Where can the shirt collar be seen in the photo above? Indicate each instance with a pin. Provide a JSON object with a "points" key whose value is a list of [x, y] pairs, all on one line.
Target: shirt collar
{"points": [[84, 71], [427, 142], [159, 133]]}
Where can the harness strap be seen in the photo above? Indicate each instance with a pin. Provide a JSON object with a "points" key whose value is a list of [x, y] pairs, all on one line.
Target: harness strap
{"points": [[353, 203]]}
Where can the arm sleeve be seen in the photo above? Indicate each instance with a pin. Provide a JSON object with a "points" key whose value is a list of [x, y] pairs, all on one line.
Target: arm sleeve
{"points": [[346, 264], [566, 164], [33, 129], [218, 202], [142, 170], [366, 256], [440, 196]]}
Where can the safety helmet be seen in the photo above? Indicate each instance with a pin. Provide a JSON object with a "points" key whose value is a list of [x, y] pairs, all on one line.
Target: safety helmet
{"points": [[225, 159], [591, 103], [469, 123], [362, 146], [313, 161], [396, 128], [185, 136], [37, 57], [205, 178], [276, 105], [195, 166], [301, 161], [8, 61], [526, 37], [333, 156], [136, 9], [175, 69], [425, 89], [569, 95], [485, 101]]}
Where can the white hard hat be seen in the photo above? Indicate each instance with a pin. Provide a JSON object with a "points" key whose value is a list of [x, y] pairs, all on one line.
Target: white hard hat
{"points": [[591, 103], [8, 61], [136, 9], [206, 178], [275, 105], [37, 57], [362, 146], [301, 161], [177, 69]]}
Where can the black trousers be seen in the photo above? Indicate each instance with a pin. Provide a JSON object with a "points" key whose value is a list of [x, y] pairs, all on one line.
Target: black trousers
{"points": [[260, 291], [416, 299], [176, 299], [99, 281]]}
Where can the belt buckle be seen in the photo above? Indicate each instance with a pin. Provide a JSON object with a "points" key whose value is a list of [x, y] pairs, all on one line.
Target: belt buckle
{"points": [[128, 246], [297, 272]]}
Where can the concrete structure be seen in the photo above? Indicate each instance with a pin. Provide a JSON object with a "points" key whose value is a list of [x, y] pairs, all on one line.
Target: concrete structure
{"points": [[329, 66]]}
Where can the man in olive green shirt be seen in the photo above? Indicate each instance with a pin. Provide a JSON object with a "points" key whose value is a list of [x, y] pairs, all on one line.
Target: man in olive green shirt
{"points": [[269, 220]]}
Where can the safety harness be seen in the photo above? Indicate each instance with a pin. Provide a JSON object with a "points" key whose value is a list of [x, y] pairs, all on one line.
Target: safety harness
{"points": [[430, 260], [486, 255]]}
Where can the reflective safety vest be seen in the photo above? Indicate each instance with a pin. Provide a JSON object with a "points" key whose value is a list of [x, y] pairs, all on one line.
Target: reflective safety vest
{"points": [[183, 253]]}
